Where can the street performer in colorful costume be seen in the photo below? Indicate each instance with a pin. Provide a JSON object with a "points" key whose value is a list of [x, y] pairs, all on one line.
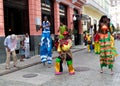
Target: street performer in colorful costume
{"points": [[46, 45], [64, 55], [97, 44], [106, 58]]}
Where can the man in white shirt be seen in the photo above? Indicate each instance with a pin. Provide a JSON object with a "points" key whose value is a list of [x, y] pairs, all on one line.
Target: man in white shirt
{"points": [[10, 43]]}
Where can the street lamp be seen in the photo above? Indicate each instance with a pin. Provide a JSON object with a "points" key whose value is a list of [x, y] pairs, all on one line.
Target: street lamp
{"points": [[37, 23], [74, 18]]}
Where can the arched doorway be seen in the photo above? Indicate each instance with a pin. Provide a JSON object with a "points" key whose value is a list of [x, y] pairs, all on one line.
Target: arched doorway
{"points": [[16, 17], [48, 10]]}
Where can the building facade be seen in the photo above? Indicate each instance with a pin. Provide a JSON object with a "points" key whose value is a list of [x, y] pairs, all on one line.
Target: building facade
{"points": [[95, 9], [114, 13], [22, 16]]}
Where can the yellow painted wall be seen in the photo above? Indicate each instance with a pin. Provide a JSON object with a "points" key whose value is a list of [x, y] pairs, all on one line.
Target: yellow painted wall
{"points": [[92, 13]]}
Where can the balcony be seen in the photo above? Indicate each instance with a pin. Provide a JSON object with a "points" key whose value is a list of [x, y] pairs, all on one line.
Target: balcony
{"points": [[94, 5]]}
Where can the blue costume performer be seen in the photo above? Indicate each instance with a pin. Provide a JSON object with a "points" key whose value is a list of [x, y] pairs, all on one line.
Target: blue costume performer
{"points": [[46, 45]]}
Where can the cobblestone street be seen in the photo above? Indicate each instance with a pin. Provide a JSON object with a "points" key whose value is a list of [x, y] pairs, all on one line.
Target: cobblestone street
{"points": [[87, 73]]}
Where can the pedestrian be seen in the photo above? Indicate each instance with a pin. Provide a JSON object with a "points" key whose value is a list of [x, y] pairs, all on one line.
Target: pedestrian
{"points": [[96, 43], [22, 50], [114, 51], [10, 44], [27, 46], [111, 26], [85, 39], [89, 42], [56, 42], [106, 59], [65, 54], [46, 43]]}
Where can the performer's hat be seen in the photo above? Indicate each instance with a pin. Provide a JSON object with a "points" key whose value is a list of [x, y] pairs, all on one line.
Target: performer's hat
{"points": [[65, 33]]}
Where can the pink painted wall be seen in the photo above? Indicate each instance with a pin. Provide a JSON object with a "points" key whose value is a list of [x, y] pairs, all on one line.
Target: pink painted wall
{"points": [[70, 17], [56, 17], [2, 32], [34, 11]]}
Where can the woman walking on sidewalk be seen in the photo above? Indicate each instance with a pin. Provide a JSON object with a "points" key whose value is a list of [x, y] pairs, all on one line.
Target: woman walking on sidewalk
{"points": [[106, 58]]}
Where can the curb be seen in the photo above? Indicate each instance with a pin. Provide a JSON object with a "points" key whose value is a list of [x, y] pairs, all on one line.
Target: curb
{"points": [[29, 65]]}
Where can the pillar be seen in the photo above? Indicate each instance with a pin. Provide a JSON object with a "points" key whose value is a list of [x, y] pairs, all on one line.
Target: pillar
{"points": [[70, 17], [56, 17], [34, 12], [2, 31], [80, 30]]}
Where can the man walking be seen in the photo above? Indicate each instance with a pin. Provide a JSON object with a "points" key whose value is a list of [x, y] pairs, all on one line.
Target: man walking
{"points": [[10, 46]]}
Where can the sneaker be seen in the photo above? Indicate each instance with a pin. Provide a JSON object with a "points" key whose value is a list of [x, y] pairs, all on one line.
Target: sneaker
{"points": [[72, 73], [49, 66], [43, 63], [58, 73], [101, 71]]}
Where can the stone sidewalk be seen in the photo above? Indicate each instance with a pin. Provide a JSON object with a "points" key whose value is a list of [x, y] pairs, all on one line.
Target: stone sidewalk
{"points": [[32, 61]]}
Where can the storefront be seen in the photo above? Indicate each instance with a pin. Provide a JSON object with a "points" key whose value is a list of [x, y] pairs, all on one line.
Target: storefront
{"points": [[19, 17]]}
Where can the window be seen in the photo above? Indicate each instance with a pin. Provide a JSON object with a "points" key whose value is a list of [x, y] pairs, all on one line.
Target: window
{"points": [[63, 14]]}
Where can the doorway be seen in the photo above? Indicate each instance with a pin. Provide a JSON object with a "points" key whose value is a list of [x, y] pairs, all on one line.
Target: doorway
{"points": [[16, 17], [76, 29]]}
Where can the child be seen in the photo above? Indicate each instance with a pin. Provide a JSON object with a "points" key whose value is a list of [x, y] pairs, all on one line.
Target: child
{"points": [[97, 44], [22, 50], [89, 42]]}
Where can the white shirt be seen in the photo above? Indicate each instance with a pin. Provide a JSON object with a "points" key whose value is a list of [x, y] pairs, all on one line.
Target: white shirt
{"points": [[26, 41], [10, 43]]}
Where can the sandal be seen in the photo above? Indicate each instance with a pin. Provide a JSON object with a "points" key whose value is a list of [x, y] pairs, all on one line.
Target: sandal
{"points": [[7, 67]]}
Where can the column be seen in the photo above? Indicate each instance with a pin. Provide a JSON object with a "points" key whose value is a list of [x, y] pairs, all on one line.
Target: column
{"points": [[2, 32], [80, 30], [56, 17], [70, 17], [34, 12]]}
